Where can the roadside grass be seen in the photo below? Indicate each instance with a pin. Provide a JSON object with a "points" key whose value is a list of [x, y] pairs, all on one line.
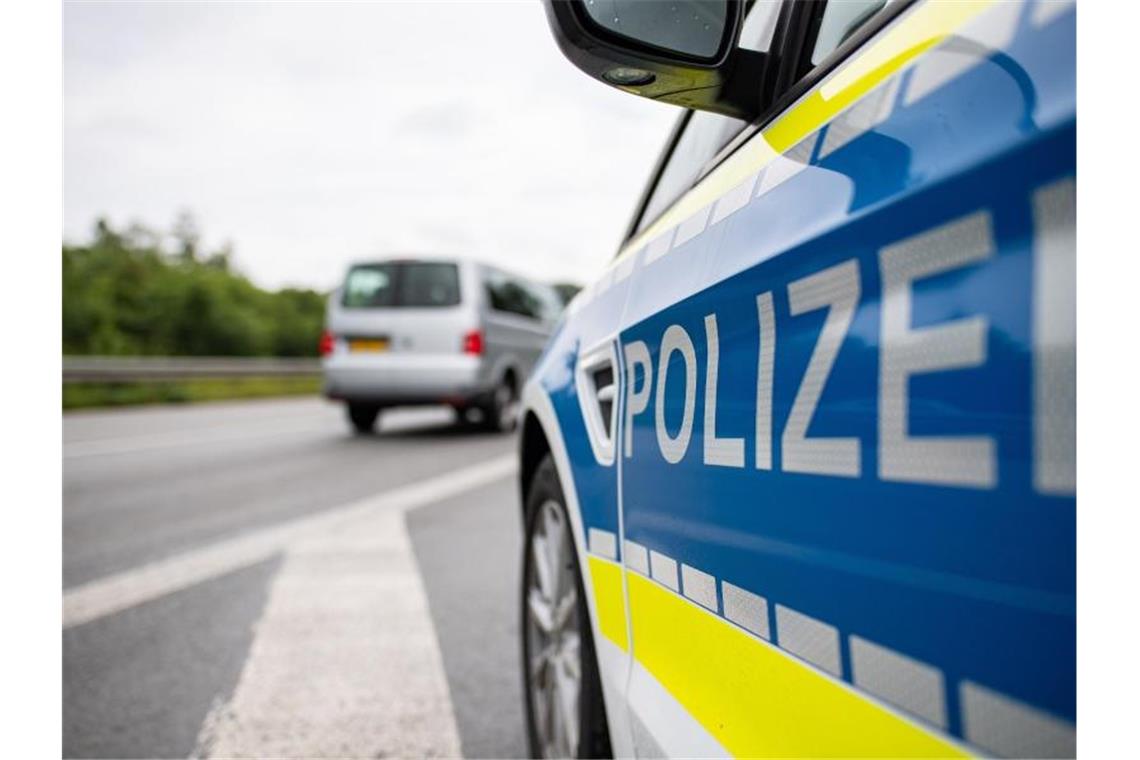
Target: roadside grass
{"points": [[91, 395]]}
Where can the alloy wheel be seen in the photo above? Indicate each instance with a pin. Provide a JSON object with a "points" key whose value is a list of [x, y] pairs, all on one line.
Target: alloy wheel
{"points": [[554, 634]]}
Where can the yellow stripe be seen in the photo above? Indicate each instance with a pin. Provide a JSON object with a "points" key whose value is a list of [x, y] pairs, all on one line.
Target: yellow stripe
{"points": [[756, 700], [927, 26], [609, 600], [917, 32]]}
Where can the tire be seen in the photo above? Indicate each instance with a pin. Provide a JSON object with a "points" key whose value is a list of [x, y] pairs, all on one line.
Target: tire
{"points": [[462, 417], [556, 634], [500, 412], [363, 417]]}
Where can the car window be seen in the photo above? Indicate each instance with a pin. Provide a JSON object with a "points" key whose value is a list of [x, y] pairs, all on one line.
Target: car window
{"points": [[550, 303], [370, 285], [412, 284], [509, 294], [841, 19], [704, 133], [760, 25], [429, 284], [702, 136]]}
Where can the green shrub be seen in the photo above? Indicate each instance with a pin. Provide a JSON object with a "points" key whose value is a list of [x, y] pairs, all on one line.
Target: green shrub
{"points": [[124, 295]]}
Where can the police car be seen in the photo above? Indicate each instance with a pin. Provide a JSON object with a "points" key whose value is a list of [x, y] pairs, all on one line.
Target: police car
{"points": [[799, 469]]}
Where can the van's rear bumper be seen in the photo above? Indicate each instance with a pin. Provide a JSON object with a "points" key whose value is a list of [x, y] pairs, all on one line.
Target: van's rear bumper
{"points": [[403, 378]]}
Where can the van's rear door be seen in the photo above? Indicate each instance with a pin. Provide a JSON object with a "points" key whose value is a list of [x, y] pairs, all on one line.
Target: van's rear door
{"points": [[401, 306]]}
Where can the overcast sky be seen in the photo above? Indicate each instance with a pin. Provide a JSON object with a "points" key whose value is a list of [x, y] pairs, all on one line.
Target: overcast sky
{"points": [[310, 134]]}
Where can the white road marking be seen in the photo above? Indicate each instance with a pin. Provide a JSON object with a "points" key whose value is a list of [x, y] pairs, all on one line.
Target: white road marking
{"points": [[345, 661], [118, 592], [240, 430], [136, 444]]}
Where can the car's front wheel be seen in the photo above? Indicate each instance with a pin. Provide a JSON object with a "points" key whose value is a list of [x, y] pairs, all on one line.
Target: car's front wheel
{"points": [[565, 711]]}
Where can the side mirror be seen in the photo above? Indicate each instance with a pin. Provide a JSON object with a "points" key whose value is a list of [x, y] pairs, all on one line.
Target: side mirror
{"points": [[682, 52]]}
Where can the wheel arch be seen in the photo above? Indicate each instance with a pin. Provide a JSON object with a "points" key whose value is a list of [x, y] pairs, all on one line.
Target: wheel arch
{"points": [[533, 447]]}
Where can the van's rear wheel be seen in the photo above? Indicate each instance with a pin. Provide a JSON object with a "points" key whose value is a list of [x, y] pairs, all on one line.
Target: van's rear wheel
{"points": [[363, 417], [565, 711], [501, 412]]}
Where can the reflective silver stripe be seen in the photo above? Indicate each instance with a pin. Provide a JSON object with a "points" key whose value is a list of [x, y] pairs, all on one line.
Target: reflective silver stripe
{"points": [[722, 451], [691, 227], [813, 640], [1055, 339], [794, 161], [746, 609], [605, 281], [765, 374], [663, 569], [993, 29], [906, 351], [734, 200], [872, 110], [1008, 727], [624, 268], [1045, 11], [603, 543], [699, 586], [837, 290], [904, 682], [659, 246], [635, 556], [990, 721]]}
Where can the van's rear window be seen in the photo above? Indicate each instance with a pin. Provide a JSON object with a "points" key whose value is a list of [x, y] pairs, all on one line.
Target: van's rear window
{"points": [[402, 283]]}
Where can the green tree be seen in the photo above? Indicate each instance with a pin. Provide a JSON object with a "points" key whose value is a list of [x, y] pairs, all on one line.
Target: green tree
{"points": [[123, 295]]}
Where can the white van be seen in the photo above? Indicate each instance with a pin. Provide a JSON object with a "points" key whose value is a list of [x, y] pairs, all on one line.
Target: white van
{"points": [[431, 330]]}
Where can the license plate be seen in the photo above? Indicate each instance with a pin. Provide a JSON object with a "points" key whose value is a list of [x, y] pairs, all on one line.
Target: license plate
{"points": [[371, 346]]}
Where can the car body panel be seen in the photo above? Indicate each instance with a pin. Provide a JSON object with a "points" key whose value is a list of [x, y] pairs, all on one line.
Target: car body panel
{"points": [[883, 563]]}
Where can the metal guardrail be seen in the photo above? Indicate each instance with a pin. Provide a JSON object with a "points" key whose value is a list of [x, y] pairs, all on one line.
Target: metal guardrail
{"points": [[78, 369]]}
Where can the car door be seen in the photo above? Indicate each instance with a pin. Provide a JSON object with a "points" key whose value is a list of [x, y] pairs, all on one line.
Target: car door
{"points": [[543, 307], [847, 440], [514, 326]]}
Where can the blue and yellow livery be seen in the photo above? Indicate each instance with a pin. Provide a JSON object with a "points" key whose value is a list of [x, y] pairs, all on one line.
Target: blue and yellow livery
{"points": [[813, 429]]}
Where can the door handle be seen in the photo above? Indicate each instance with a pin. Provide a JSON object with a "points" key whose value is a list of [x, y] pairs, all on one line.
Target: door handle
{"points": [[596, 377]]}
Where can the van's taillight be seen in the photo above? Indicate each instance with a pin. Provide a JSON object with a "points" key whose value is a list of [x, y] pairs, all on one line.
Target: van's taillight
{"points": [[473, 343], [325, 345]]}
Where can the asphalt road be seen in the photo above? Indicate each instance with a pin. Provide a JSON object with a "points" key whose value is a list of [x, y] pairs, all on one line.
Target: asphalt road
{"points": [[250, 579]]}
